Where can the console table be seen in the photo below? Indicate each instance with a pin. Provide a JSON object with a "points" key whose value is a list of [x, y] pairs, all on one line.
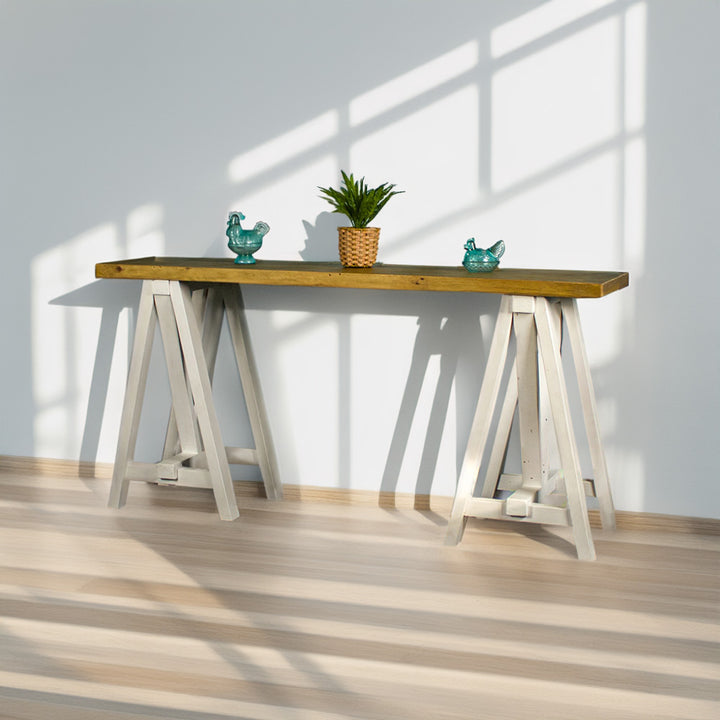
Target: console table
{"points": [[188, 297]]}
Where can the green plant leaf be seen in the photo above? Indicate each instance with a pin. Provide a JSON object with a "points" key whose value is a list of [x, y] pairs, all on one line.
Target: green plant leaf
{"points": [[354, 199]]}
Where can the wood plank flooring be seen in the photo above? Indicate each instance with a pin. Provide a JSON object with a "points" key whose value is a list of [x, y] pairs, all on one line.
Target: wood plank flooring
{"points": [[316, 611]]}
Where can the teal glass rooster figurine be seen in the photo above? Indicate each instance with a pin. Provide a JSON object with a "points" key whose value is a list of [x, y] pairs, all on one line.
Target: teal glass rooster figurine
{"points": [[244, 242], [479, 260]]}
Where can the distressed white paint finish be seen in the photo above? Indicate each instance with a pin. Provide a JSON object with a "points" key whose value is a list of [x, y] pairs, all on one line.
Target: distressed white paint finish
{"points": [[167, 468], [549, 454], [481, 422], [495, 509], [172, 439], [199, 380], [518, 504], [556, 486], [235, 456], [182, 409], [549, 345], [589, 407], [193, 454], [537, 324], [240, 337], [209, 306], [134, 393], [502, 437]]}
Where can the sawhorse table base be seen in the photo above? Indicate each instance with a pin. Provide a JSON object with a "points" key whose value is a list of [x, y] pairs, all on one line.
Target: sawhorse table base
{"points": [[537, 324], [194, 455]]}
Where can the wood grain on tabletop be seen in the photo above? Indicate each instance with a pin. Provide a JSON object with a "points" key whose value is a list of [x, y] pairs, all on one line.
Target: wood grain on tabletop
{"points": [[507, 281]]}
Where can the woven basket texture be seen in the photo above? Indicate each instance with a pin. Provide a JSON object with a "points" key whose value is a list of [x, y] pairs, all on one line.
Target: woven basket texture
{"points": [[358, 246]]}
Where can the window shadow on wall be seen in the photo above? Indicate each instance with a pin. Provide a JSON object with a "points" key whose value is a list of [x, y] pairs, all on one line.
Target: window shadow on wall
{"points": [[466, 71]]}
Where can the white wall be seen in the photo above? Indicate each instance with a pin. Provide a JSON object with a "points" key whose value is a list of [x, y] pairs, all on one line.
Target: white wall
{"points": [[583, 133]]}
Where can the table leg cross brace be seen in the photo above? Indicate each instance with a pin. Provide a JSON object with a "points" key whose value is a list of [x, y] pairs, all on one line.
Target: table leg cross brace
{"points": [[194, 455], [537, 323]]}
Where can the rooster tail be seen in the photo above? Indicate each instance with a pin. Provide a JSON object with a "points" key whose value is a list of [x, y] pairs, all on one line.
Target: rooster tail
{"points": [[261, 228], [498, 249]]}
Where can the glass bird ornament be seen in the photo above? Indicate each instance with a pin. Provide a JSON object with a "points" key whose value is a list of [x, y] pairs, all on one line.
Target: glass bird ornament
{"points": [[244, 242], [479, 260]]}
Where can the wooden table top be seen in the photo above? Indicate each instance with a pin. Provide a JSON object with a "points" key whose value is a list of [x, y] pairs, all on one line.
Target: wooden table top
{"points": [[505, 281]]}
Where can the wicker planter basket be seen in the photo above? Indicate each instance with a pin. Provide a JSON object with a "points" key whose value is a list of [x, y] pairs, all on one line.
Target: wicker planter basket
{"points": [[358, 246]]}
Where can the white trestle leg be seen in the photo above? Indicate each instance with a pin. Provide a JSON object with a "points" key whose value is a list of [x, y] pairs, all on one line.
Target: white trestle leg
{"points": [[199, 380], [502, 436], [592, 426], [537, 324], [171, 447], [519, 503], [481, 422], [134, 394], [181, 398], [240, 336], [549, 346], [193, 454]]}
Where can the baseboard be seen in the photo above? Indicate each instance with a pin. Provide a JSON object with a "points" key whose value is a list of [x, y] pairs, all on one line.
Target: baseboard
{"points": [[56, 468], [649, 522]]}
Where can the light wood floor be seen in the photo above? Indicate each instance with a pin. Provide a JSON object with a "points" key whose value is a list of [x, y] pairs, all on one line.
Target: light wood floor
{"points": [[311, 611]]}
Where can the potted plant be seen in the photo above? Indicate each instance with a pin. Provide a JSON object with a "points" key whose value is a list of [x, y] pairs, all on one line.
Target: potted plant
{"points": [[358, 244]]}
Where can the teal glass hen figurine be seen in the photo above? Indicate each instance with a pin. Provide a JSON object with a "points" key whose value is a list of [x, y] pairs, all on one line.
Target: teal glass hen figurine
{"points": [[245, 242], [479, 260]]}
